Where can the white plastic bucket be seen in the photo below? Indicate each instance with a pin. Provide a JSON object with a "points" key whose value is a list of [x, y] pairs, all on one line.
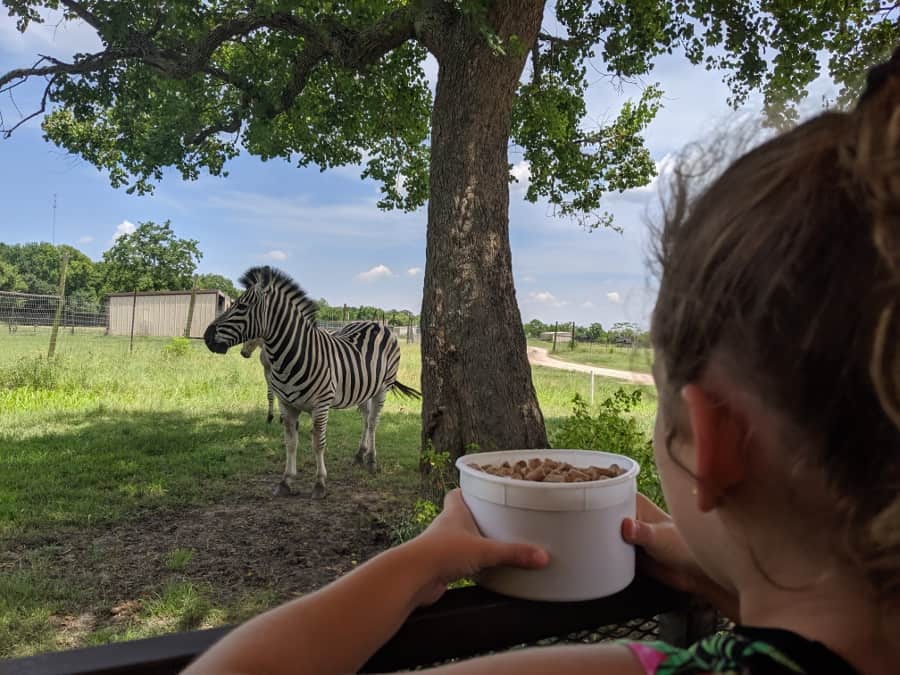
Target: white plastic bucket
{"points": [[579, 524]]}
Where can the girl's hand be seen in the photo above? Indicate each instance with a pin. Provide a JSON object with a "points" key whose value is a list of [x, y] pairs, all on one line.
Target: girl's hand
{"points": [[454, 548], [665, 556]]}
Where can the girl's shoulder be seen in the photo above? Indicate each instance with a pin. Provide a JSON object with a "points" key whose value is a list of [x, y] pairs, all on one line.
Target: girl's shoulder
{"points": [[744, 651]]}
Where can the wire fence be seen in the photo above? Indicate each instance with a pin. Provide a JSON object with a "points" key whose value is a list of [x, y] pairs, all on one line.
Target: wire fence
{"points": [[28, 313]]}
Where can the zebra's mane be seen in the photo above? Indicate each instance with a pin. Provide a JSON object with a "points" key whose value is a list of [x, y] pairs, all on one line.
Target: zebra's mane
{"points": [[305, 305]]}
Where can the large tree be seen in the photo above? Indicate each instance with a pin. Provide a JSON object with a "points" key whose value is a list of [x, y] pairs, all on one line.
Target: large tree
{"points": [[189, 84], [151, 258], [37, 266], [218, 282], [10, 279]]}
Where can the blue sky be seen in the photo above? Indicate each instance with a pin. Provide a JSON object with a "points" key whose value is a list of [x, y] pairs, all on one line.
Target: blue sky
{"points": [[324, 228]]}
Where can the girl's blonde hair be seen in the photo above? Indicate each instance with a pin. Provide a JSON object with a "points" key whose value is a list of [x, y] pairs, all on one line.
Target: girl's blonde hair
{"points": [[789, 264]]}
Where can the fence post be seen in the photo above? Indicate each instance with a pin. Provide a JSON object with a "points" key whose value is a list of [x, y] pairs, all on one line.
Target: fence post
{"points": [[555, 331], [592, 387], [59, 304], [190, 316], [572, 337], [133, 307]]}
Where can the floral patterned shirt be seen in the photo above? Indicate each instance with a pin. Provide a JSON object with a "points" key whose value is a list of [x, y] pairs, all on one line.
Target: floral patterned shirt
{"points": [[742, 651]]}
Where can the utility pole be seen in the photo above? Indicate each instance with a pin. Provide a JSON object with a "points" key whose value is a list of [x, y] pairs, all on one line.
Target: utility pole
{"points": [[53, 233]]}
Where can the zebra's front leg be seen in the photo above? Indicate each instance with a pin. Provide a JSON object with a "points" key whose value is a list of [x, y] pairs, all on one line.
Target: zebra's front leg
{"points": [[376, 403], [319, 426], [270, 396], [289, 417]]}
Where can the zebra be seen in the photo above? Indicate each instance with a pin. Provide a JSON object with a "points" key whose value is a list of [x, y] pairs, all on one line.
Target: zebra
{"points": [[312, 370], [247, 351]]}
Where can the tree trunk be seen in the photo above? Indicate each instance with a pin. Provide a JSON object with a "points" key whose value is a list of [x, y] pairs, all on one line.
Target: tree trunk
{"points": [[476, 380]]}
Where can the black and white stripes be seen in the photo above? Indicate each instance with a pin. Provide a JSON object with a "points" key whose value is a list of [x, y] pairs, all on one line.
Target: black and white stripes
{"points": [[311, 369]]}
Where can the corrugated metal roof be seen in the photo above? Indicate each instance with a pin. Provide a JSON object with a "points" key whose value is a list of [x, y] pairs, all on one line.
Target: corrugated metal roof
{"points": [[187, 292]]}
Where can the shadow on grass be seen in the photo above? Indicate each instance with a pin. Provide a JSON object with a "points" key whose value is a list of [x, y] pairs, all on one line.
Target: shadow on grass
{"points": [[120, 525], [103, 465]]}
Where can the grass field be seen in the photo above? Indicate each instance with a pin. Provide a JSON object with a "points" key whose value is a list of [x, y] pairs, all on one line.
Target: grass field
{"points": [[636, 359], [101, 437]]}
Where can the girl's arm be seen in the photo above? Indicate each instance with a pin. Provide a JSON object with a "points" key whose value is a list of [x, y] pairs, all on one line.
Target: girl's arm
{"points": [[608, 659], [336, 629]]}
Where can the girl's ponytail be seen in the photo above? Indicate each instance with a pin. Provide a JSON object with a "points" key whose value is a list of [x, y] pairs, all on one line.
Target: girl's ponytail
{"points": [[872, 158], [875, 164]]}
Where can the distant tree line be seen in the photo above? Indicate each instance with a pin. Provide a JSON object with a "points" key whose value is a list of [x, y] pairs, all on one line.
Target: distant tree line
{"points": [[151, 258], [393, 317], [619, 333]]}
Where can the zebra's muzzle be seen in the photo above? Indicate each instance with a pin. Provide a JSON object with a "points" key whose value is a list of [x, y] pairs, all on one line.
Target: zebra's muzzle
{"points": [[209, 337]]}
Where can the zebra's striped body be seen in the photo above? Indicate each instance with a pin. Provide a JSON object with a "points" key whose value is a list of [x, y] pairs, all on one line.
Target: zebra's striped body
{"points": [[310, 369]]}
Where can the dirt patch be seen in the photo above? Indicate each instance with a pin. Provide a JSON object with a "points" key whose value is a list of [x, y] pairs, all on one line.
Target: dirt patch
{"points": [[538, 356], [284, 546]]}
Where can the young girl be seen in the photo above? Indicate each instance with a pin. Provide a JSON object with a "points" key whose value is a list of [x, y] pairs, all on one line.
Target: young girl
{"points": [[777, 344]]}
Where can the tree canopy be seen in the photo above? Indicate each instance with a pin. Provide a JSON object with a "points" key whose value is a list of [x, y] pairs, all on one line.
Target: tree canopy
{"points": [[188, 84], [219, 282], [34, 268], [151, 258]]}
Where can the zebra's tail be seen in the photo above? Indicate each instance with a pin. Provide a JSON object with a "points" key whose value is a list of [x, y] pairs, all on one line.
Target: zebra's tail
{"points": [[403, 390]]}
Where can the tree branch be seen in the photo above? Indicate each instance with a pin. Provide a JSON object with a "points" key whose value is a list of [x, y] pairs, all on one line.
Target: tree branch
{"points": [[535, 64], [554, 40], [327, 39], [233, 125], [8, 132], [83, 13]]}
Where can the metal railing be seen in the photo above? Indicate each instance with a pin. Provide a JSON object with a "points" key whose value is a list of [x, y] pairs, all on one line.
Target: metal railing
{"points": [[463, 623]]}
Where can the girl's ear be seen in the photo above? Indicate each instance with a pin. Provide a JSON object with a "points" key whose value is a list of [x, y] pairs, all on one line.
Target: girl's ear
{"points": [[719, 435]]}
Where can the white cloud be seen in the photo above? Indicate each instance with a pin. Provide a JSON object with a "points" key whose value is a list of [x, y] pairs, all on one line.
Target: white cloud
{"points": [[85, 240], [377, 272], [414, 271], [529, 279], [359, 219], [547, 298], [123, 228], [521, 171], [614, 297], [400, 186], [274, 255], [587, 303]]}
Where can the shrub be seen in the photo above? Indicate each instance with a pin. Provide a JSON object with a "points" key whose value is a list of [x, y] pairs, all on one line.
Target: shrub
{"points": [[177, 347], [438, 478], [414, 522], [612, 429]]}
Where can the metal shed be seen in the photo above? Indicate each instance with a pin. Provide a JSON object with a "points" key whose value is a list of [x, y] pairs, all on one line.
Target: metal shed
{"points": [[164, 313]]}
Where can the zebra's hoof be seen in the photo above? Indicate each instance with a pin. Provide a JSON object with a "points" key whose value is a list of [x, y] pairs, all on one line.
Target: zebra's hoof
{"points": [[318, 491], [358, 459], [371, 464], [282, 490], [269, 419]]}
